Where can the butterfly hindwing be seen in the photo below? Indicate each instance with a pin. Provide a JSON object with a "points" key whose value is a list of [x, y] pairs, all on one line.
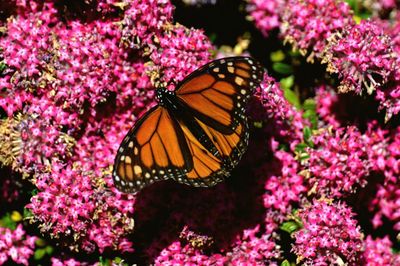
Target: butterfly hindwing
{"points": [[209, 169]]}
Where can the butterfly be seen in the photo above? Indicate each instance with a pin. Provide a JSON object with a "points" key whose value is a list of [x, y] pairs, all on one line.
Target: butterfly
{"points": [[196, 134]]}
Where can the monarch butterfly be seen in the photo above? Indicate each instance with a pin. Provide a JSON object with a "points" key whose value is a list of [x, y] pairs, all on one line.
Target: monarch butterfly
{"points": [[196, 134]]}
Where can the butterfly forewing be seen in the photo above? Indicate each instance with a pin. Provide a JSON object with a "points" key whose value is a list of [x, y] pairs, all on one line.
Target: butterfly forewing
{"points": [[218, 92], [155, 149]]}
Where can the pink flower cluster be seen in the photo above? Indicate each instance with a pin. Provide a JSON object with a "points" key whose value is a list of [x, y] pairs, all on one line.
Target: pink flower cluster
{"points": [[32, 141], [378, 252], [176, 254], [15, 245], [330, 235], [144, 21], [284, 189], [179, 52], [307, 24], [339, 163], [255, 250], [266, 14], [362, 56], [386, 157], [248, 249], [71, 196], [282, 120], [389, 96]]}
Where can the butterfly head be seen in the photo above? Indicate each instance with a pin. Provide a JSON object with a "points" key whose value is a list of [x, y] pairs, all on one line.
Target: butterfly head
{"points": [[163, 95]]}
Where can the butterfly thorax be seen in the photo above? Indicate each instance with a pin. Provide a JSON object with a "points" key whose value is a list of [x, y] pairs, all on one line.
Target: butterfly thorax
{"points": [[179, 111]]}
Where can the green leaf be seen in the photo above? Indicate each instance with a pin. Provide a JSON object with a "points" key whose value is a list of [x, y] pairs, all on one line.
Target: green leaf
{"points": [[310, 113], [309, 104], [34, 192], [307, 133], [3, 66], [294, 53], [359, 11], [120, 261], [102, 261], [300, 148], [311, 116], [287, 83], [352, 3], [301, 152], [213, 37], [292, 97], [39, 253], [7, 221], [277, 56], [285, 263], [290, 226], [27, 213], [304, 156], [283, 147], [49, 250], [282, 68], [40, 242]]}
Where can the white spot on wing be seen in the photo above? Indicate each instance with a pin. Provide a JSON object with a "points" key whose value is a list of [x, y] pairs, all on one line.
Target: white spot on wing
{"points": [[137, 169], [239, 81]]}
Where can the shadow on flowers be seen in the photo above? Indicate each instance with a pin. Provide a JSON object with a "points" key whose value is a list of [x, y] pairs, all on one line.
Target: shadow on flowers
{"points": [[208, 219]]}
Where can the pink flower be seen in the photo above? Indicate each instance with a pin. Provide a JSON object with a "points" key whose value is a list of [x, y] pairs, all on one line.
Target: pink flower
{"points": [[266, 14], [378, 252], [307, 24], [362, 56], [180, 51], [389, 95], [328, 105], [330, 233], [339, 163], [79, 91], [29, 141], [15, 245], [178, 254], [143, 20], [385, 157], [280, 119], [73, 203], [284, 188], [253, 249], [69, 262]]}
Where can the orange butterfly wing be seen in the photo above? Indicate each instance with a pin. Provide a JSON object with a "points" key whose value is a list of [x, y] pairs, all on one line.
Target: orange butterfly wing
{"points": [[202, 148], [209, 169], [154, 149], [218, 92]]}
